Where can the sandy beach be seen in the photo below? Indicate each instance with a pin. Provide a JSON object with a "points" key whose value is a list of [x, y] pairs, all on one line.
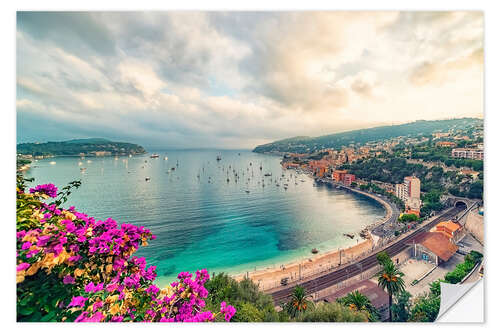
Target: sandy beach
{"points": [[271, 278], [317, 263]]}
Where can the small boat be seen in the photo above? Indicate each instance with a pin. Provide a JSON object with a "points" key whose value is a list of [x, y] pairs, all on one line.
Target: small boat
{"points": [[247, 191], [314, 251], [83, 169], [268, 174], [219, 158], [154, 156], [80, 163], [351, 236], [129, 155], [88, 161], [147, 179], [173, 169], [53, 162], [166, 158]]}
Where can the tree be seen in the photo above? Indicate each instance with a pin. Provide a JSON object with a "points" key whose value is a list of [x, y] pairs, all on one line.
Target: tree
{"points": [[382, 258], [298, 303], [390, 279], [333, 312], [251, 303], [359, 302], [401, 308]]}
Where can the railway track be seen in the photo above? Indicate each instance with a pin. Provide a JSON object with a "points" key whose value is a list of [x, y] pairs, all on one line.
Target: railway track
{"points": [[341, 274]]}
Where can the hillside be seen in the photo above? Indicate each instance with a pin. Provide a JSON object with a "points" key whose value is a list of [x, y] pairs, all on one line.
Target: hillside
{"points": [[302, 144], [79, 146]]}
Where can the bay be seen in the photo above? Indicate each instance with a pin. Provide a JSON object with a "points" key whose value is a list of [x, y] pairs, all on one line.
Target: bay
{"points": [[213, 214]]}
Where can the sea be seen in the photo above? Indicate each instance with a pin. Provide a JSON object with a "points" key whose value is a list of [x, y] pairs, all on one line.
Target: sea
{"points": [[224, 215]]}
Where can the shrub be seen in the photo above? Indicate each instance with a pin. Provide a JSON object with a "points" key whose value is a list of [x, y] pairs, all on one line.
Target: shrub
{"points": [[333, 312], [71, 267]]}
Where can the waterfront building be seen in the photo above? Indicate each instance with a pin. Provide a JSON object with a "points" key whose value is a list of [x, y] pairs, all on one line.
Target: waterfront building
{"points": [[338, 175], [348, 179], [475, 154]]}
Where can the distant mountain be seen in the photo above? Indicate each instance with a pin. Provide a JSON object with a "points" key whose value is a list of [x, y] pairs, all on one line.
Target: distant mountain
{"points": [[91, 146], [304, 144]]}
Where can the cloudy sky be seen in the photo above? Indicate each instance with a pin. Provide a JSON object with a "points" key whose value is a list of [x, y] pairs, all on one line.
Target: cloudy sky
{"points": [[238, 79]]}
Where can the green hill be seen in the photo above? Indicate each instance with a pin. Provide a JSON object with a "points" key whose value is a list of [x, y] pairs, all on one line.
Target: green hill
{"points": [[302, 144], [79, 146]]}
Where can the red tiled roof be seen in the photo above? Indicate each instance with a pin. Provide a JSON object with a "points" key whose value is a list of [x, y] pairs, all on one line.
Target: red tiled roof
{"points": [[438, 244], [377, 296]]}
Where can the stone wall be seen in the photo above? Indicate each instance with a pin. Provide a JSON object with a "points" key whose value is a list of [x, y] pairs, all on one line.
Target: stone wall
{"points": [[474, 223]]}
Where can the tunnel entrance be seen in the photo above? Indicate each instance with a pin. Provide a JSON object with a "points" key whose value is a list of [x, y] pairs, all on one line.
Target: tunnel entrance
{"points": [[460, 204]]}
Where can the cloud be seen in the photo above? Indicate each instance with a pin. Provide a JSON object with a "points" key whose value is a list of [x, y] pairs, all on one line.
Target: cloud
{"points": [[237, 79], [436, 73]]}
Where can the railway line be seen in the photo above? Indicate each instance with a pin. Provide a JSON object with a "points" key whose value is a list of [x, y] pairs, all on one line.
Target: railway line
{"points": [[331, 278]]}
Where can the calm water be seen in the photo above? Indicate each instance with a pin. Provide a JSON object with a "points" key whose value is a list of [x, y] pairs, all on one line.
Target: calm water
{"points": [[206, 221]]}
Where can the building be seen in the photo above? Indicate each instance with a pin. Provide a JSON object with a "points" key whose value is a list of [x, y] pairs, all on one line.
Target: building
{"points": [[377, 296], [342, 176], [102, 153], [446, 144], [453, 231], [413, 203], [400, 191], [433, 247], [338, 175], [468, 172], [348, 179], [412, 187], [474, 154]]}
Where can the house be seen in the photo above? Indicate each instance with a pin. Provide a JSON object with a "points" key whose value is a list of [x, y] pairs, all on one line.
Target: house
{"points": [[453, 231], [434, 247], [377, 296]]}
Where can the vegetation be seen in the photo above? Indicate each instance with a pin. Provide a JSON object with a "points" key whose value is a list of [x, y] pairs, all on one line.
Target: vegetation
{"points": [[252, 305], [71, 267], [298, 303], [401, 307], [76, 147], [390, 279], [407, 218], [461, 270], [335, 141], [359, 302], [333, 312]]}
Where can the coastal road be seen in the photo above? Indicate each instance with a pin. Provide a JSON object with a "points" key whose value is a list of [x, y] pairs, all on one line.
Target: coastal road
{"points": [[343, 273]]}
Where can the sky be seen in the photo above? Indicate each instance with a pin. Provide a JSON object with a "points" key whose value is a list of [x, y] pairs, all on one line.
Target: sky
{"points": [[234, 80]]}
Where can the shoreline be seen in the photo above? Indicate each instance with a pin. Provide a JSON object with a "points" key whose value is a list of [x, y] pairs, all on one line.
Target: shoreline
{"points": [[271, 277]]}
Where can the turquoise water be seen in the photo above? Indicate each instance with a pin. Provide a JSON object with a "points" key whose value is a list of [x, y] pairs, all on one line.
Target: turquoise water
{"points": [[206, 221]]}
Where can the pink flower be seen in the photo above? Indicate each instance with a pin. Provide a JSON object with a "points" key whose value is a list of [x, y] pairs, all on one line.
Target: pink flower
{"points": [[68, 279], [26, 245], [22, 266], [78, 301]]}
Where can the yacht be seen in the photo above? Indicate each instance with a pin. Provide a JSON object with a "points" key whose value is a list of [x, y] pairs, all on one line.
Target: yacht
{"points": [[154, 156]]}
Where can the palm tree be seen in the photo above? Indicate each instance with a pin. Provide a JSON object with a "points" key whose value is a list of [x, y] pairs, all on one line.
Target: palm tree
{"points": [[359, 302], [390, 279], [298, 302]]}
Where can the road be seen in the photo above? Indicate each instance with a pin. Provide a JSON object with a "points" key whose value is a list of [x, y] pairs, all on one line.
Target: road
{"points": [[331, 278]]}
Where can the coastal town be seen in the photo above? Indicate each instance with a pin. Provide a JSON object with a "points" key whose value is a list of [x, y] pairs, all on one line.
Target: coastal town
{"points": [[437, 221]]}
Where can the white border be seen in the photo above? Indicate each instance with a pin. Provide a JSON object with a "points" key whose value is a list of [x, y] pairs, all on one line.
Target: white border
{"points": [[492, 110]]}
